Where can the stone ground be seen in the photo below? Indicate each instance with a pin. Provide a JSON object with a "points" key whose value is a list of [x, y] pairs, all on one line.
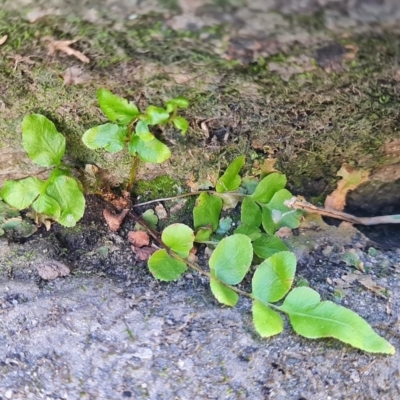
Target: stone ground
{"points": [[109, 330]]}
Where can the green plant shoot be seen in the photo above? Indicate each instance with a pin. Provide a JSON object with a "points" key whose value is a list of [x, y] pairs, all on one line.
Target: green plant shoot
{"points": [[59, 197], [263, 212], [129, 128]]}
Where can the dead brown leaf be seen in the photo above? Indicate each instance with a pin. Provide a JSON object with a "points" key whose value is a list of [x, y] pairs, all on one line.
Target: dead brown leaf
{"points": [[143, 253], [3, 39], [18, 59], [75, 76], [64, 46], [138, 238], [351, 178], [161, 211], [114, 221], [268, 167], [178, 206], [192, 255], [363, 280]]}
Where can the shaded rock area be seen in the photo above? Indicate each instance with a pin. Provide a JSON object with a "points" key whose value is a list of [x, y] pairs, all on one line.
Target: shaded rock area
{"points": [[308, 84]]}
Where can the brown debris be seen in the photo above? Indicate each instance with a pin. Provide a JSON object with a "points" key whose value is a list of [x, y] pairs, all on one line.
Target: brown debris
{"points": [[138, 238], [143, 253], [64, 46], [3, 39], [351, 178], [114, 221]]}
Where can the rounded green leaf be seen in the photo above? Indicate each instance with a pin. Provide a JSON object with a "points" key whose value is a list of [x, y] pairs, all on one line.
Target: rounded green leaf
{"points": [[203, 234], [249, 230], [281, 214], [179, 238], [181, 123], [66, 191], [207, 210], [45, 204], [177, 102], [232, 258], [230, 180], [44, 145], [164, 267], [314, 319], [151, 151], [116, 109], [20, 194], [266, 321], [108, 136], [265, 246], [142, 130], [268, 187], [250, 212], [156, 115], [274, 277], [223, 294], [267, 220]]}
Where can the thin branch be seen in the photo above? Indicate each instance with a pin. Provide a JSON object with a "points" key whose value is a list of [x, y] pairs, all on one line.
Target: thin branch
{"points": [[180, 196]]}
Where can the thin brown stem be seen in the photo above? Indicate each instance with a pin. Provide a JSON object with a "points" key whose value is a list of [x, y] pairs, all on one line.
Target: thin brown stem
{"points": [[180, 196], [132, 175]]}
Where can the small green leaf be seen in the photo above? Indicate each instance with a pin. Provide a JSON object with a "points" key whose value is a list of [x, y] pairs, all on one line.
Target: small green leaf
{"points": [[151, 151], [266, 321], [151, 218], [18, 227], [230, 180], [7, 212], [231, 259], [179, 238], [207, 210], [268, 187], [249, 230], [281, 214], [156, 115], [108, 136], [250, 212], [274, 277], [142, 130], [203, 234], [267, 221], [164, 267], [312, 319], [45, 204], [44, 145], [224, 225], [177, 102], [66, 191], [223, 294], [265, 246], [116, 109], [21, 194], [181, 124]]}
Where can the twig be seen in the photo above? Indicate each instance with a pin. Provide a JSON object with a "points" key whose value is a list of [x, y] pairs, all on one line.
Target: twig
{"points": [[308, 207]]}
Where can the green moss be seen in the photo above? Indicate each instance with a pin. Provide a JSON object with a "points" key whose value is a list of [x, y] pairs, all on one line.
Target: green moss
{"points": [[159, 187], [312, 124]]}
